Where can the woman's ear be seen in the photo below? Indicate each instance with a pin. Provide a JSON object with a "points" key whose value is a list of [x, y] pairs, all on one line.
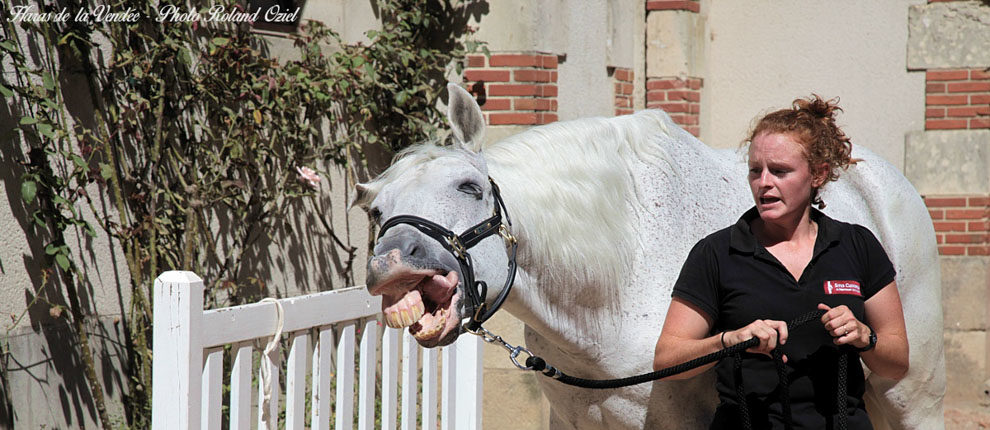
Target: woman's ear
{"points": [[819, 175]]}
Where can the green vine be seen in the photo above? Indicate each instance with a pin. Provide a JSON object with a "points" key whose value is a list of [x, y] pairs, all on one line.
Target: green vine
{"points": [[196, 139]]}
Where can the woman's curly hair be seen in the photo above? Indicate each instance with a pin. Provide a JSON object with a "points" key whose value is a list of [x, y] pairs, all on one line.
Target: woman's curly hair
{"points": [[812, 122]]}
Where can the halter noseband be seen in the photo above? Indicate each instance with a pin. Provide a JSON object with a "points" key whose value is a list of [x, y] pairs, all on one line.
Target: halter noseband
{"points": [[458, 246]]}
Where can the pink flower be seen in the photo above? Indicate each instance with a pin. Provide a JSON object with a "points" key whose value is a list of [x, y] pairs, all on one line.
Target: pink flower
{"points": [[309, 176]]}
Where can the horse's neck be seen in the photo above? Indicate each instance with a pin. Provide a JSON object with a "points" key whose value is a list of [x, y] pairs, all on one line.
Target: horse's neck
{"points": [[570, 328]]}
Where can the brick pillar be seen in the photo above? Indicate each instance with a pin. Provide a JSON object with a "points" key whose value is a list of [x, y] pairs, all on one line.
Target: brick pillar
{"points": [[688, 5], [681, 98], [674, 60], [514, 88], [622, 78], [957, 99], [962, 224]]}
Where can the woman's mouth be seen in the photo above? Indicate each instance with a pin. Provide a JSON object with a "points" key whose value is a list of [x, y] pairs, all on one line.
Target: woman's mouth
{"points": [[767, 200]]}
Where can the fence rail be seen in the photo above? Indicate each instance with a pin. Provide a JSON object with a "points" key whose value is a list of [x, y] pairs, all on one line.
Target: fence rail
{"points": [[189, 353]]}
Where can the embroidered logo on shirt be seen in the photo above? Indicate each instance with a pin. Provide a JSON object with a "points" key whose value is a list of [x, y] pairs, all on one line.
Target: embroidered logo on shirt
{"points": [[843, 287]]}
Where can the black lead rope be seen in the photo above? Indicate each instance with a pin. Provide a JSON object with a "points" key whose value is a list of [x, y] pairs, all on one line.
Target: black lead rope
{"points": [[536, 363]]}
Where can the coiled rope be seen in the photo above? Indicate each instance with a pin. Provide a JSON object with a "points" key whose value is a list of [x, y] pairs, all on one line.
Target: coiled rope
{"points": [[266, 368]]}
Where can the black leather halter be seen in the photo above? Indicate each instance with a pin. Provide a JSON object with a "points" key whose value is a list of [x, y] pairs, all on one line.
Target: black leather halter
{"points": [[458, 246]]}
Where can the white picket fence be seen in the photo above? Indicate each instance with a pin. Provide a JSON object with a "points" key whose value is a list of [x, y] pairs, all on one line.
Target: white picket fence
{"points": [[188, 350]]}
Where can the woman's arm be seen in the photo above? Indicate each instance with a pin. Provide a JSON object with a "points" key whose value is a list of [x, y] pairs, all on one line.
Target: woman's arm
{"points": [[685, 337], [883, 311]]}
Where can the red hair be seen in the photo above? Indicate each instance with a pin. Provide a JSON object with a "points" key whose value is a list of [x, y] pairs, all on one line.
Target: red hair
{"points": [[811, 122]]}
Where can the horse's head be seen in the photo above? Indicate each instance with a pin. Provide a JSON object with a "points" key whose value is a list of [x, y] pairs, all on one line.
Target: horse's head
{"points": [[413, 267]]}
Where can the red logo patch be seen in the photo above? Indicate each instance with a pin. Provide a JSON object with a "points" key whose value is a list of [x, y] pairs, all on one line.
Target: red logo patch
{"points": [[843, 287]]}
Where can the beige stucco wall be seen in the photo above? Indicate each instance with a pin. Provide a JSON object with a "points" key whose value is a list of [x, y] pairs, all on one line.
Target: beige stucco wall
{"points": [[763, 54]]}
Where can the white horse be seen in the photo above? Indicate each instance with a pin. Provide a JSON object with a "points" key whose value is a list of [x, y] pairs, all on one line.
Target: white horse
{"points": [[605, 212]]}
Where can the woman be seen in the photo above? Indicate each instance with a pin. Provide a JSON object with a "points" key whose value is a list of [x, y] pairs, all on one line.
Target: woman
{"points": [[782, 259]]}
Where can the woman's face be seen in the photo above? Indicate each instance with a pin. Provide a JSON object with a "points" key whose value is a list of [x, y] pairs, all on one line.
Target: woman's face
{"points": [[779, 176]]}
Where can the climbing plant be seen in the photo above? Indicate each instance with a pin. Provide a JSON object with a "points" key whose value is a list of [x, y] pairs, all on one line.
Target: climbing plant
{"points": [[193, 140]]}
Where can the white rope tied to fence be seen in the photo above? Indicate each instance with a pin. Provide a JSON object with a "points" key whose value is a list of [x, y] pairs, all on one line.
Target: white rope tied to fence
{"points": [[268, 365]]}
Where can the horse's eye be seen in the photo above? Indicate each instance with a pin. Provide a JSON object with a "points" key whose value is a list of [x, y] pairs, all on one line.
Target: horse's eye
{"points": [[471, 188], [376, 215]]}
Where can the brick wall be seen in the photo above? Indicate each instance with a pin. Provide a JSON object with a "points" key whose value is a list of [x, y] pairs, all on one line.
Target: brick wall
{"points": [[962, 224], [957, 99], [688, 5], [514, 88], [681, 98], [622, 79]]}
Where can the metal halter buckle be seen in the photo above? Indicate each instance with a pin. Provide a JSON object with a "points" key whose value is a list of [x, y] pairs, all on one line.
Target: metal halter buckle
{"points": [[455, 244], [509, 238]]}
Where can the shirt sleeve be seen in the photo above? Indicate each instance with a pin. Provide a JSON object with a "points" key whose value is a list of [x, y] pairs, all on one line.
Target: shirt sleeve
{"points": [[878, 269], [698, 281]]}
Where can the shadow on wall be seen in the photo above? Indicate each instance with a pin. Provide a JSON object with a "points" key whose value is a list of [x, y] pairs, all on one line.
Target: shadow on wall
{"points": [[25, 363]]}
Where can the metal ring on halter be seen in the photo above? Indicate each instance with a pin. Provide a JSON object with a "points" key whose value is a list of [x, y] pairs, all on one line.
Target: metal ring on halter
{"points": [[515, 353]]}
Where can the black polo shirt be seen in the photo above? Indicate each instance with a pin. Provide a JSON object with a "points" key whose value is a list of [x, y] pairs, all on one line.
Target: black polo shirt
{"points": [[736, 281]]}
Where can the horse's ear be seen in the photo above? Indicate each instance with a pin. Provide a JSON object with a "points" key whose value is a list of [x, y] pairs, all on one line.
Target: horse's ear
{"points": [[361, 195], [465, 117]]}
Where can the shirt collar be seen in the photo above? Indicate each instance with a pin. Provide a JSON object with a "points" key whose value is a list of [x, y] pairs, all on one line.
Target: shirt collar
{"points": [[741, 236]]}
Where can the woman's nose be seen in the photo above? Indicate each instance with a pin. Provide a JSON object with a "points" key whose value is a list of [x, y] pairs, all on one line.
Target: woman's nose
{"points": [[764, 179]]}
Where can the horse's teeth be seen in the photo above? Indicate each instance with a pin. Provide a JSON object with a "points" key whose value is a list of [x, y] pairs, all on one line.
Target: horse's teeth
{"points": [[391, 319], [440, 323], [418, 310]]}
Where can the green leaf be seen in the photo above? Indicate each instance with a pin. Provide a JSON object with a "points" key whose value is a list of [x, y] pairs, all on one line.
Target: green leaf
{"points": [[28, 191], [89, 229], [105, 171], [7, 92], [62, 261], [28, 120], [8, 45], [78, 161], [47, 130], [48, 82], [51, 249], [184, 57], [221, 41]]}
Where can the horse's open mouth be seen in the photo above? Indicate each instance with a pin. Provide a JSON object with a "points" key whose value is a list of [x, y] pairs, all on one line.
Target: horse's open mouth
{"points": [[422, 300]]}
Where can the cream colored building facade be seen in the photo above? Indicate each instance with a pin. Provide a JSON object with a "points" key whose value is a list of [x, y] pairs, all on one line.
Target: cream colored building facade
{"points": [[910, 75]]}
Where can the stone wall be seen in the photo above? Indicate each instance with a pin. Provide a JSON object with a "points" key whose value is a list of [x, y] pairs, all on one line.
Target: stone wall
{"points": [[949, 164]]}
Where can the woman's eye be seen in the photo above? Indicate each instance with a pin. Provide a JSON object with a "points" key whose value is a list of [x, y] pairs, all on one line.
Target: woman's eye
{"points": [[470, 188]]}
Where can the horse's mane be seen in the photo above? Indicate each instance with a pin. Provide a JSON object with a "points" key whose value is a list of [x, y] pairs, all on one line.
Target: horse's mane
{"points": [[569, 186]]}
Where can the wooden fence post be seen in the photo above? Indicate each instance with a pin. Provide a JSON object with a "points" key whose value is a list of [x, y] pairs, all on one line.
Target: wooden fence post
{"points": [[177, 373], [470, 380]]}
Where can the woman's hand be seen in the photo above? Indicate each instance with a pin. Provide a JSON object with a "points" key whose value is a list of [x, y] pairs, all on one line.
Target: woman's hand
{"points": [[845, 329], [770, 333]]}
